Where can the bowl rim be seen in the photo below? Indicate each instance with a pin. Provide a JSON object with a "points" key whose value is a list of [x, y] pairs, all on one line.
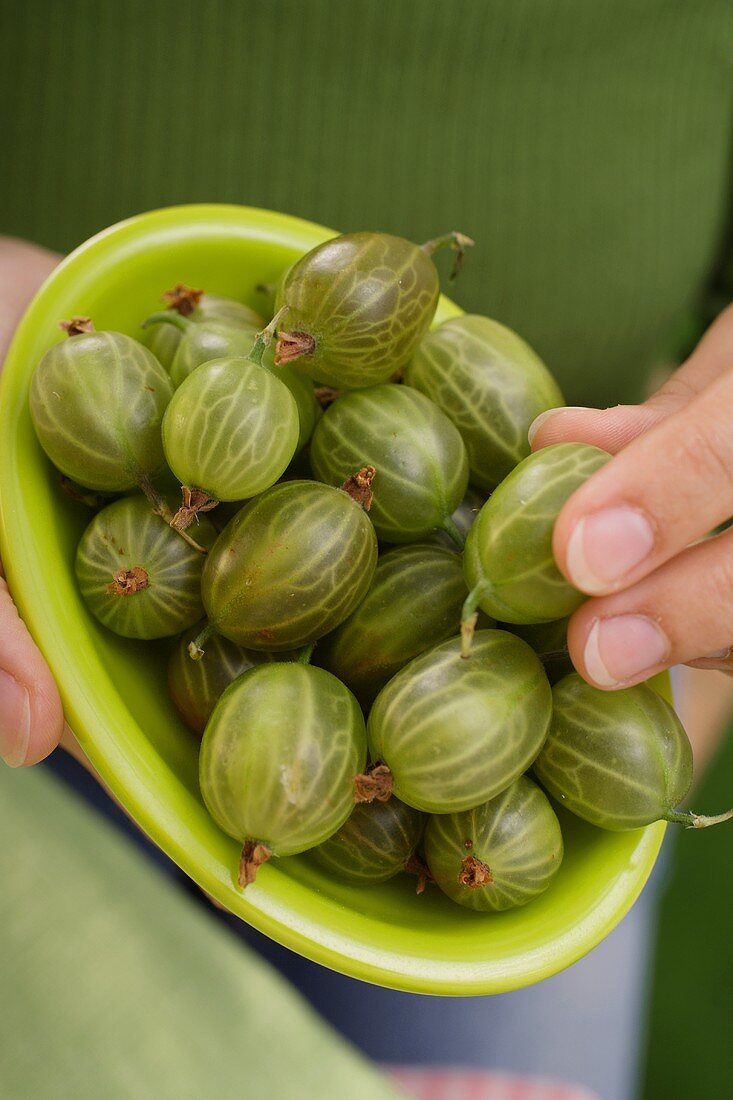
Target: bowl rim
{"points": [[129, 779]]}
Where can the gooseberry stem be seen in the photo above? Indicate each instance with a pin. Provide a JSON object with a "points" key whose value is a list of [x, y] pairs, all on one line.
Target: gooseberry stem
{"points": [[452, 531], [304, 657], [375, 782], [193, 502], [75, 326], [459, 242], [264, 339], [168, 317], [469, 617], [697, 821], [196, 647], [183, 298], [161, 509], [359, 486], [253, 856]]}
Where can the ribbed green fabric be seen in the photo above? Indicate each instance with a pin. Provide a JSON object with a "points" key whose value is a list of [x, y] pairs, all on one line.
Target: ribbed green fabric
{"points": [[586, 146], [116, 987]]}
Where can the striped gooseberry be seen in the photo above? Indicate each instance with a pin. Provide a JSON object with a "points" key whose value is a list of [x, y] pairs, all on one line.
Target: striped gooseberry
{"points": [[352, 310], [414, 602], [619, 759], [375, 843], [278, 758], [499, 855], [196, 686], [450, 732], [136, 575], [508, 563], [97, 400], [419, 455], [163, 340], [301, 387], [201, 341], [229, 433], [490, 384], [290, 566]]}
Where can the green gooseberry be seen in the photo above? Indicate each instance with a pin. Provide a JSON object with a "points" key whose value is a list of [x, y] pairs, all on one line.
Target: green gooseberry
{"points": [[490, 384], [278, 758], [422, 469], [352, 310], [499, 855], [374, 844], [184, 301], [290, 566], [619, 759], [202, 341], [414, 602], [453, 732], [196, 686], [508, 563], [550, 643], [97, 401], [229, 432], [136, 575], [309, 409]]}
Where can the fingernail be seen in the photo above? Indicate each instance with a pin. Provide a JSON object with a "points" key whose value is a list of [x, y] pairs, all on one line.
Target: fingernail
{"points": [[607, 545], [623, 647], [15, 720], [540, 420]]}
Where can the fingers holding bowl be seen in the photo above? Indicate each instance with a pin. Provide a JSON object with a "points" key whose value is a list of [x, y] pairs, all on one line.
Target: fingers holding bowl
{"points": [[31, 717]]}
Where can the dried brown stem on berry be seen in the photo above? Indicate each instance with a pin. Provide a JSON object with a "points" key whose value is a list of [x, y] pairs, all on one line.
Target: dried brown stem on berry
{"points": [[125, 582], [253, 856], [75, 326], [182, 298], [194, 501], [417, 866], [293, 345], [359, 486], [326, 395], [475, 874], [375, 783]]}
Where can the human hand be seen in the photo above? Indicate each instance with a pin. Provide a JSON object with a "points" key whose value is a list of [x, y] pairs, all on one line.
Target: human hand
{"points": [[631, 536], [31, 717]]}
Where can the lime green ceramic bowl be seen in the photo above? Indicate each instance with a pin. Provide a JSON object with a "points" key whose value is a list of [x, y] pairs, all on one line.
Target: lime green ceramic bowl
{"points": [[114, 691]]}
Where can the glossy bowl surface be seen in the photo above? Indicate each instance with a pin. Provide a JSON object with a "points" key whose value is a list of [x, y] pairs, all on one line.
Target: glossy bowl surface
{"points": [[114, 690]]}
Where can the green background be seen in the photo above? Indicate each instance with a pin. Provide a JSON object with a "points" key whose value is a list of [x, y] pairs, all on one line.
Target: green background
{"points": [[586, 147]]}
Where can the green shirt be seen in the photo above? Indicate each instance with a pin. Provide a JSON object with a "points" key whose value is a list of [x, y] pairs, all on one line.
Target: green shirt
{"points": [[586, 146]]}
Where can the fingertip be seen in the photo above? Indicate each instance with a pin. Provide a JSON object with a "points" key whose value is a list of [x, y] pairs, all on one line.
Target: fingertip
{"points": [[31, 714], [558, 426], [47, 722], [610, 429], [31, 720]]}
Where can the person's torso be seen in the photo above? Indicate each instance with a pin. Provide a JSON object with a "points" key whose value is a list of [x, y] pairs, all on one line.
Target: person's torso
{"points": [[585, 146]]}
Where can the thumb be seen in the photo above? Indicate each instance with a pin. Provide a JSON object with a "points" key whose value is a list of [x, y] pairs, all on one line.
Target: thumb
{"points": [[31, 717]]}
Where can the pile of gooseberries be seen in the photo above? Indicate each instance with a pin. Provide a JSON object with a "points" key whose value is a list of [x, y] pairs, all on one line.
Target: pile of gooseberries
{"points": [[337, 519]]}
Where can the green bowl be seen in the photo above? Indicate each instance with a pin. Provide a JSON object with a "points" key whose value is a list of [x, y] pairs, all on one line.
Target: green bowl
{"points": [[114, 691]]}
